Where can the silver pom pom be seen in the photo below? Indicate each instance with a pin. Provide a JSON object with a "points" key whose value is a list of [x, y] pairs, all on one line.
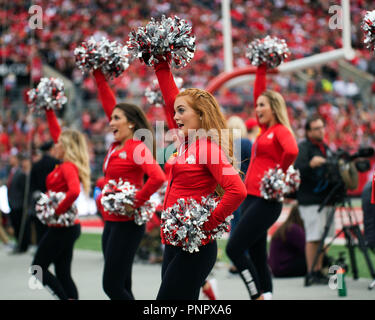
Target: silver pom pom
{"points": [[118, 193], [170, 40], [273, 185], [49, 94], [45, 210], [182, 224], [153, 93], [368, 27], [292, 179], [110, 57], [144, 213], [270, 50]]}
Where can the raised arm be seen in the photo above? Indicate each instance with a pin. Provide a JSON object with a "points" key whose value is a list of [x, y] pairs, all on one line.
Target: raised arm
{"points": [[259, 84], [53, 124], [168, 89], [106, 95]]}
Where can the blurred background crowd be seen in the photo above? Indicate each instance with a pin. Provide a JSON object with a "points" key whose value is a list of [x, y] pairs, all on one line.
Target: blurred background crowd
{"points": [[341, 91]]}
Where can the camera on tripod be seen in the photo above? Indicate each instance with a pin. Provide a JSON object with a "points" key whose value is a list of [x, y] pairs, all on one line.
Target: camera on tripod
{"points": [[342, 168], [342, 174]]}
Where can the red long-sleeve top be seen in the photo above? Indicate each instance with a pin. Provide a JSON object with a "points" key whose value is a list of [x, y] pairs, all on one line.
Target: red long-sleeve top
{"points": [[196, 174], [198, 170], [131, 162], [106, 95], [65, 177], [169, 91], [275, 145]]}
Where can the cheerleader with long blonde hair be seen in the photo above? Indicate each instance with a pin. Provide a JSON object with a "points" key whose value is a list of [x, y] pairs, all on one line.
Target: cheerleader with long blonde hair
{"points": [[274, 146], [56, 247]]}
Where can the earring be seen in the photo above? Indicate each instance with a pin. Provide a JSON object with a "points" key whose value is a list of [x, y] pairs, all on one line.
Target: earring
{"points": [[131, 126], [200, 118]]}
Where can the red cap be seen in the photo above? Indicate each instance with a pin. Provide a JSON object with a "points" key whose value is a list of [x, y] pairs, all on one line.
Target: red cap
{"points": [[251, 123]]}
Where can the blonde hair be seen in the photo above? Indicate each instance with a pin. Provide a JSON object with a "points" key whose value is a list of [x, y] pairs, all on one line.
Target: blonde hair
{"points": [[278, 106], [235, 122], [76, 151], [213, 121]]}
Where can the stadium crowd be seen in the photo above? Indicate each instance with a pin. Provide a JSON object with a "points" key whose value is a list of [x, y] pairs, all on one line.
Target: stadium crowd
{"points": [[66, 24]]}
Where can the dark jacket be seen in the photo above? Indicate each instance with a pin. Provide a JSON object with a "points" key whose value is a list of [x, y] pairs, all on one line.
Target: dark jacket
{"points": [[242, 154], [40, 171], [314, 185], [368, 216], [16, 190]]}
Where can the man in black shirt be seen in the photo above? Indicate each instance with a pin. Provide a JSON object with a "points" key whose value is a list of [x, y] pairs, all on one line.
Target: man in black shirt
{"points": [[38, 175], [313, 190], [16, 192]]}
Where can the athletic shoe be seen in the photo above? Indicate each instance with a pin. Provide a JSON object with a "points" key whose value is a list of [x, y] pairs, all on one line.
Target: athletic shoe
{"points": [[316, 277], [267, 296]]}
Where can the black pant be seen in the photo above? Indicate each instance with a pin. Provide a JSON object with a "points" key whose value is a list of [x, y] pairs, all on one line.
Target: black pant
{"points": [[57, 247], [16, 221], [40, 228], [120, 241], [251, 235], [184, 273]]}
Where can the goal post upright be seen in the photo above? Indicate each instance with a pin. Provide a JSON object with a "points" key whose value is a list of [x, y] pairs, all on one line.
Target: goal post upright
{"points": [[239, 76]]}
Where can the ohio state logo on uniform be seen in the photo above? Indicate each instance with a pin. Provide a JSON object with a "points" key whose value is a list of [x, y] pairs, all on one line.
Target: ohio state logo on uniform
{"points": [[123, 155], [190, 159]]}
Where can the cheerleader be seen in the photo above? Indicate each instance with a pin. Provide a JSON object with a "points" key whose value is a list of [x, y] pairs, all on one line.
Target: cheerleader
{"points": [[57, 244], [121, 236], [198, 169], [275, 145]]}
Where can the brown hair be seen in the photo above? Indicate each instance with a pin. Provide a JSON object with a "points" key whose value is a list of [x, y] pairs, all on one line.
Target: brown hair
{"points": [[213, 120], [312, 119], [293, 218], [136, 116]]}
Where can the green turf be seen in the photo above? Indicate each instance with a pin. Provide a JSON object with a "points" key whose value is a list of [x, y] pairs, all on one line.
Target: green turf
{"points": [[92, 241], [89, 241]]}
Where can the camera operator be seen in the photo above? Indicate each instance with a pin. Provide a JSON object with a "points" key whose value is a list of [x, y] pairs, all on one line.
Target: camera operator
{"points": [[314, 187]]}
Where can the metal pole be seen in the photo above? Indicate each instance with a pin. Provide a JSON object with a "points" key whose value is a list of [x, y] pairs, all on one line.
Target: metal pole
{"points": [[346, 30], [227, 35], [293, 66]]}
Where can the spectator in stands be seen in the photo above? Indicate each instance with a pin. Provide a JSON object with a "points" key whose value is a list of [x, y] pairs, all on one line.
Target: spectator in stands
{"points": [[252, 128]]}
